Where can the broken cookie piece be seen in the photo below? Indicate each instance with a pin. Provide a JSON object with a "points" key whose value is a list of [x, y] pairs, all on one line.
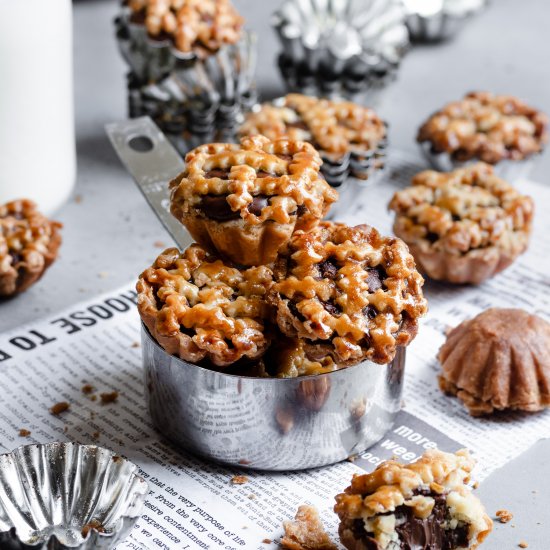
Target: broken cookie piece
{"points": [[306, 532], [426, 505]]}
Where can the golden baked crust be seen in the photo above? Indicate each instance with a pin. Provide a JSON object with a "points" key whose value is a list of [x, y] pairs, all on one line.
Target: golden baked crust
{"points": [[487, 127], [198, 26], [351, 293], [246, 200], [463, 226], [203, 310], [333, 127], [498, 360], [376, 507], [306, 532], [28, 245]]}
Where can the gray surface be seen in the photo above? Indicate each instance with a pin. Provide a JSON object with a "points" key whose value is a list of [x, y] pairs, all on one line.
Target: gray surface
{"points": [[109, 235]]}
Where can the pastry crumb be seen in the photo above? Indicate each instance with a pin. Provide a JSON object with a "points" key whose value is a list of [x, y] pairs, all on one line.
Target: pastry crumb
{"points": [[108, 397], [267, 541], [252, 497], [239, 480], [136, 345], [523, 544], [94, 524], [504, 516], [87, 389], [59, 408], [78, 199], [95, 435], [306, 532], [24, 433], [159, 244], [352, 458], [475, 485]]}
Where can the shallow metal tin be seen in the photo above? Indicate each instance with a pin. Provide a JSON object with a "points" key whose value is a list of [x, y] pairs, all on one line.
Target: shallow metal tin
{"points": [[271, 423], [509, 170], [50, 492]]}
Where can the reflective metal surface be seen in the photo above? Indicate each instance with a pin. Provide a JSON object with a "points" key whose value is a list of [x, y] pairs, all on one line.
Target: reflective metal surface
{"points": [[271, 423], [153, 162], [49, 493], [509, 170]]}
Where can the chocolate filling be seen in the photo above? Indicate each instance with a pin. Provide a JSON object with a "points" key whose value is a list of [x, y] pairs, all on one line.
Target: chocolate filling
{"points": [[332, 308], [375, 278], [221, 173], [217, 208], [370, 312], [328, 270], [420, 534]]}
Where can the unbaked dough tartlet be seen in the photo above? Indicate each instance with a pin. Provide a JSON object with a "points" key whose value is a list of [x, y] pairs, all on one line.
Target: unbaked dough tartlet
{"points": [[28, 246], [349, 292], [499, 360], [245, 200], [426, 504], [464, 226], [203, 310]]}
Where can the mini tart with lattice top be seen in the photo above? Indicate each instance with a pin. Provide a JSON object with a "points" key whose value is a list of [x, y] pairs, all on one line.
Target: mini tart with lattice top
{"points": [[28, 245], [486, 127], [463, 226], [349, 292], [499, 360], [200, 27], [426, 504], [203, 310], [245, 200], [333, 127]]}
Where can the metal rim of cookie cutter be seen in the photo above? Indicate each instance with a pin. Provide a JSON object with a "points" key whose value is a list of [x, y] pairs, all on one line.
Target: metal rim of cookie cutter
{"points": [[271, 423], [53, 491], [509, 170]]}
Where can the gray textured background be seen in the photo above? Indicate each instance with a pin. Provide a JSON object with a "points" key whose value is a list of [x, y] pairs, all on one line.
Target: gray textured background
{"points": [[109, 232]]}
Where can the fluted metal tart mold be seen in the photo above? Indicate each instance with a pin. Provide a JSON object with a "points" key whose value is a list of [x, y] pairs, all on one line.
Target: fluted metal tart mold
{"points": [[340, 47], [59, 496]]}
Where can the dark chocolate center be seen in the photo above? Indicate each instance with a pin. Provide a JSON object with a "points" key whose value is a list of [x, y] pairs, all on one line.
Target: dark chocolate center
{"points": [[421, 534], [328, 270], [375, 278], [217, 208]]}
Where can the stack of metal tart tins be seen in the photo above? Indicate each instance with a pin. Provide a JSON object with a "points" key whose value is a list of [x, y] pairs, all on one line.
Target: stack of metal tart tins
{"points": [[340, 48], [277, 340], [191, 67]]}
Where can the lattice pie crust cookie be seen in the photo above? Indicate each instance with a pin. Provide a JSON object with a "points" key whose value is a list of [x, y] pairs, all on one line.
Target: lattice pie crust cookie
{"points": [[427, 504], [28, 246], [463, 226], [486, 127], [199, 308], [198, 26], [349, 292], [246, 200]]}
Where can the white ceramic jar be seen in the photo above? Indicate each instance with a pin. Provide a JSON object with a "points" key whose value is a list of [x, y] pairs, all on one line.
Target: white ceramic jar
{"points": [[37, 142]]}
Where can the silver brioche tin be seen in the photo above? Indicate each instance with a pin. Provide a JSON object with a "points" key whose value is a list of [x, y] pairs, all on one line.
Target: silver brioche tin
{"points": [[60, 496], [271, 423], [340, 48], [509, 170], [440, 19]]}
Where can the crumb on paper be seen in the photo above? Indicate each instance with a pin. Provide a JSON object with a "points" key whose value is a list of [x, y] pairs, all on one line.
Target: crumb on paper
{"points": [[306, 532], [93, 397], [239, 480], [59, 408], [116, 458], [78, 199], [94, 524], [24, 433], [523, 544], [504, 516], [267, 541], [352, 458], [252, 497], [136, 345], [95, 435], [108, 397], [475, 485], [159, 244], [87, 389], [103, 274]]}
